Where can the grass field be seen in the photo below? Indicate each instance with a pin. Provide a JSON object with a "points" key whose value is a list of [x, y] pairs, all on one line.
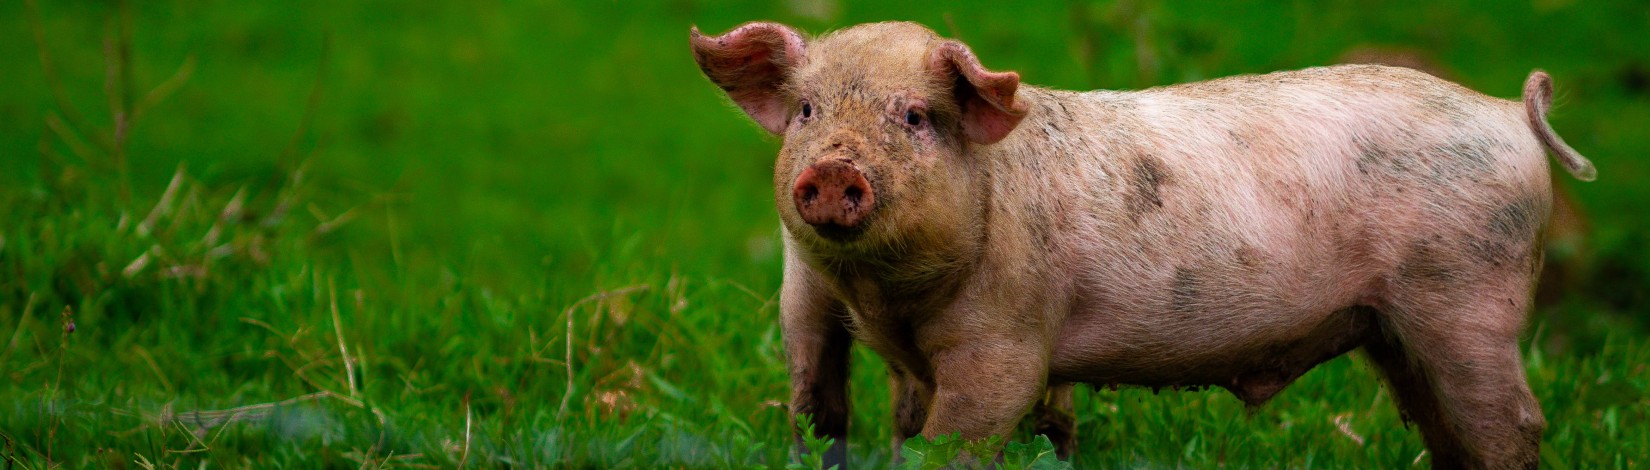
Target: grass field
{"points": [[498, 234]]}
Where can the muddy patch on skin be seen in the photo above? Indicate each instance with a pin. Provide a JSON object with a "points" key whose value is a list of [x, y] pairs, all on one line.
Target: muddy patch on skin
{"points": [[1447, 106], [1495, 252], [1040, 222], [1378, 160], [1506, 235], [1464, 159], [1241, 140], [1186, 289], [1248, 258], [1426, 263], [1146, 177], [1214, 281], [1516, 220]]}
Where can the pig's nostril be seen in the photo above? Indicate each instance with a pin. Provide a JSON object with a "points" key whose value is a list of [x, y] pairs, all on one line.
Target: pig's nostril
{"points": [[809, 193], [853, 194]]}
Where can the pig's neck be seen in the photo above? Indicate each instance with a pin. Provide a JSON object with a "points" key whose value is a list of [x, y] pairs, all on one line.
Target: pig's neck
{"points": [[904, 278], [1029, 186]]}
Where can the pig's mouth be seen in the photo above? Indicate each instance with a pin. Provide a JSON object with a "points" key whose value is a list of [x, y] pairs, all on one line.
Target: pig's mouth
{"points": [[839, 233], [834, 198]]}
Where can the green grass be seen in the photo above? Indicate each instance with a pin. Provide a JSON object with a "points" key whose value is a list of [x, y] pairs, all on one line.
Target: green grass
{"points": [[544, 240]]}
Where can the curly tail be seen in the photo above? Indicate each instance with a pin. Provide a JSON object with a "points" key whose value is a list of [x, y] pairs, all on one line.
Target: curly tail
{"points": [[1538, 97]]}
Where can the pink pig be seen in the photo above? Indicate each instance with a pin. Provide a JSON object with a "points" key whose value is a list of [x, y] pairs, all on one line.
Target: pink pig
{"points": [[996, 243]]}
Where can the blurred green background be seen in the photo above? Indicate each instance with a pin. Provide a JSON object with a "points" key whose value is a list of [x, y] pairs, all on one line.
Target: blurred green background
{"points": [[391, 213]]}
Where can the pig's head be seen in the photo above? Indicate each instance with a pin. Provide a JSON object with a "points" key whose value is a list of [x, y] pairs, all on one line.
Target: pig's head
{"points": [[876, 120]]}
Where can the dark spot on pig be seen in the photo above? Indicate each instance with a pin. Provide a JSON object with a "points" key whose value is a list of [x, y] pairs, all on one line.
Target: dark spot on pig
{"points": [[1465, 159], [1185, 290], [1370, 158], [1457, 159], [1039, 221], [1247, 257], [1425, 263], [1446, 105], [1145, 178], [1506, 232], [1495, 252], [1516, 220], [1062, 114], [1374, 158], [855, 85], [1237, 139]]}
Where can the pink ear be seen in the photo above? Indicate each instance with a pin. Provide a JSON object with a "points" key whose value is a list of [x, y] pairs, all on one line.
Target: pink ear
{"points": [[989, 110], [750, 63]]}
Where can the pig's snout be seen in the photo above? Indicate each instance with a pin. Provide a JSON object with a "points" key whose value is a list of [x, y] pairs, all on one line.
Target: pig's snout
{"points": [[833, 197]]}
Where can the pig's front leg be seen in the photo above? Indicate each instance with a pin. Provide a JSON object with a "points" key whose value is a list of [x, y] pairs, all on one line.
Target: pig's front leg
{"points": [[816, 345], [985, 385], [1057, 419], [911, 397]]}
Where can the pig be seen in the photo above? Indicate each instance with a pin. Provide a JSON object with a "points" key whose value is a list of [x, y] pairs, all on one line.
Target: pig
{"points": [[998, 243]]}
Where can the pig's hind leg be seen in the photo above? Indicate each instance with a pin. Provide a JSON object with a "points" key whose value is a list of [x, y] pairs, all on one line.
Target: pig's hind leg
{"points": [[1449, 349], [1412, 389]]}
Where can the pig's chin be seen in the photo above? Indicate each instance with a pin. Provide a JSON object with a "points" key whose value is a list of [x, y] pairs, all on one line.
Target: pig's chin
{"points": [[830, 236], [841, 234]]}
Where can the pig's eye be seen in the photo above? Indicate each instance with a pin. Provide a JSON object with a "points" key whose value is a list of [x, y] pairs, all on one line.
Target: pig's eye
{"points": [[913, 118], [807, 109]]}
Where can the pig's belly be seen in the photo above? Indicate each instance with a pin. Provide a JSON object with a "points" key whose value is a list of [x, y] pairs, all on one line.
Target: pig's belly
{"points": [[1253, 348], [1246, 316]]}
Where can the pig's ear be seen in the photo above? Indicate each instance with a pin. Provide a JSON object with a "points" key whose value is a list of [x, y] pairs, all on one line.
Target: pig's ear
{"points": [[750, 63], [989, 110]]}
